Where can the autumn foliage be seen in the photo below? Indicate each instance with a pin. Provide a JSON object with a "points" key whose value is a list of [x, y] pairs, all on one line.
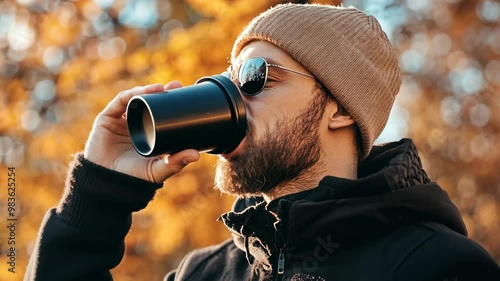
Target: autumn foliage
{"points": [[62, 62]]}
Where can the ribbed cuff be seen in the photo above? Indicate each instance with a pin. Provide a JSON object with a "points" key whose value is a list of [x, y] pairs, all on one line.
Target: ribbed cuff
{"points": [[100, 199]]}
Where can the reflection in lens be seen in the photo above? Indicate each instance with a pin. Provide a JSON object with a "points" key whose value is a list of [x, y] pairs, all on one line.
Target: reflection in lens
{"points": [[252, 76]]}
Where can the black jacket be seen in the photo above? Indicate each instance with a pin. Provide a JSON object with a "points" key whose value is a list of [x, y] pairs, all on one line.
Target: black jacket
{"points": [[392, 223]]}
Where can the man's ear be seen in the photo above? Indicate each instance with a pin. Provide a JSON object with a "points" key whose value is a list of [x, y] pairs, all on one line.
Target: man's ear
{"points": [[338, 117]]}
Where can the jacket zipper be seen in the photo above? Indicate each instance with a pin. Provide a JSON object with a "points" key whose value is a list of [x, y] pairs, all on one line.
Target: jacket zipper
{"points": [[281, 262], [281, 265], [281, 246]]}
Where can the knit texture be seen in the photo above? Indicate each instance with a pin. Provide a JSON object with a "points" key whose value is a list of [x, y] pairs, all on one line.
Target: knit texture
{"points": [[99, 198], [345, 49]]}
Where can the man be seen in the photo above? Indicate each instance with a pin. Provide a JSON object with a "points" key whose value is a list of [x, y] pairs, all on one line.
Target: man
{"points": [[317, 200]]}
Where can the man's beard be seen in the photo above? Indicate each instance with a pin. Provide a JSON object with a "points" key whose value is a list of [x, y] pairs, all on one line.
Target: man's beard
{"points": [[281, 156]]}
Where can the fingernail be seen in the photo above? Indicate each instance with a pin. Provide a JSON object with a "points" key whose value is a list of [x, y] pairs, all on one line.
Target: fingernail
{"points": [[186, 161]]}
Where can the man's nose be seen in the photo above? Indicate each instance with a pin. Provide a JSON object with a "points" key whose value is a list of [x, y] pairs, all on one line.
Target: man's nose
{"points": [[235, 82]]}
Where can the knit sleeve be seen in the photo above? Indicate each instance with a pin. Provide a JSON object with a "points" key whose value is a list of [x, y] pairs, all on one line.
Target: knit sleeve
{"points": [[83, 238]]}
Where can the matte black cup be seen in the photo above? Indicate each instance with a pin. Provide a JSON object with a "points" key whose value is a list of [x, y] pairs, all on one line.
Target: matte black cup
{"points": [[207, 116]]}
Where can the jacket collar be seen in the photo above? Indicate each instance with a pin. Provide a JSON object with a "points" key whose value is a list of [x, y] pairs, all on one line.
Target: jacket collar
{"points": [[392, 190]]}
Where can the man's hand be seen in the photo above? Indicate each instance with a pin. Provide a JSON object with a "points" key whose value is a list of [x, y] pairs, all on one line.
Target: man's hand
{"points": [[110, 146]]}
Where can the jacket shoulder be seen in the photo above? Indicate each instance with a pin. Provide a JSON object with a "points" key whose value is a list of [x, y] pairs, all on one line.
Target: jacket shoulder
{"points": [[434, 252]]}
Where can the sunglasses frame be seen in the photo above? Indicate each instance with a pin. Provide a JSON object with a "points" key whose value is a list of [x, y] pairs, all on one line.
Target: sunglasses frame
{"points": [[266, 74]]}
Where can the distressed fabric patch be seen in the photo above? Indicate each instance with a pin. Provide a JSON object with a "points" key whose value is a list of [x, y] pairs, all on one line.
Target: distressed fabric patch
{"points": [[306, 277]]}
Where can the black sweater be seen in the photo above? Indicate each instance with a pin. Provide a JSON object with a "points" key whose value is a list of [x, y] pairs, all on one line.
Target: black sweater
{"points": [[392, 223]]}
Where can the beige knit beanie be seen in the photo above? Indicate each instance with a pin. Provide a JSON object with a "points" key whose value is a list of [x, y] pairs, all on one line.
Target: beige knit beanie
{"points": [[345, 49]]}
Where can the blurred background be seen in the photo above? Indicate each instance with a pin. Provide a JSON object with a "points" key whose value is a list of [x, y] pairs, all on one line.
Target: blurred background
{"points": [[61, 62]]}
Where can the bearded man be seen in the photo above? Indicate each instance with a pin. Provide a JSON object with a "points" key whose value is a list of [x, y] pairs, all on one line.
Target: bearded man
{"points": [[316, 200]]}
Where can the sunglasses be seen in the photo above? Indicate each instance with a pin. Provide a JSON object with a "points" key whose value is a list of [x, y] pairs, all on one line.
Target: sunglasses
{"points": [[252, 75]]}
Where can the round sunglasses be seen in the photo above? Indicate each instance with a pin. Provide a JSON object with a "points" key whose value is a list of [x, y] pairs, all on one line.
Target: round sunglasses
{"points": [[252, 75]]}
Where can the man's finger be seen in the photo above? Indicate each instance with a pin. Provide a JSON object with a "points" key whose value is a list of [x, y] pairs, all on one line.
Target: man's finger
{"points": [[173, 85], [118, 105], [173, 164]]}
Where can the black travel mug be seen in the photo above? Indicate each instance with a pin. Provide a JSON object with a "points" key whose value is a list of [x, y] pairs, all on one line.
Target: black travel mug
{"points": [[208, 116]]}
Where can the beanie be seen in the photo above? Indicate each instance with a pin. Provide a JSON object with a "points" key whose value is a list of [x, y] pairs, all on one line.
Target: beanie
{"points": [[345, 49]]}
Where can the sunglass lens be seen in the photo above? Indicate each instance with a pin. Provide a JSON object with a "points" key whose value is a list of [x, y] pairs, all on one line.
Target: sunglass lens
{"points": [[252, 76]]}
